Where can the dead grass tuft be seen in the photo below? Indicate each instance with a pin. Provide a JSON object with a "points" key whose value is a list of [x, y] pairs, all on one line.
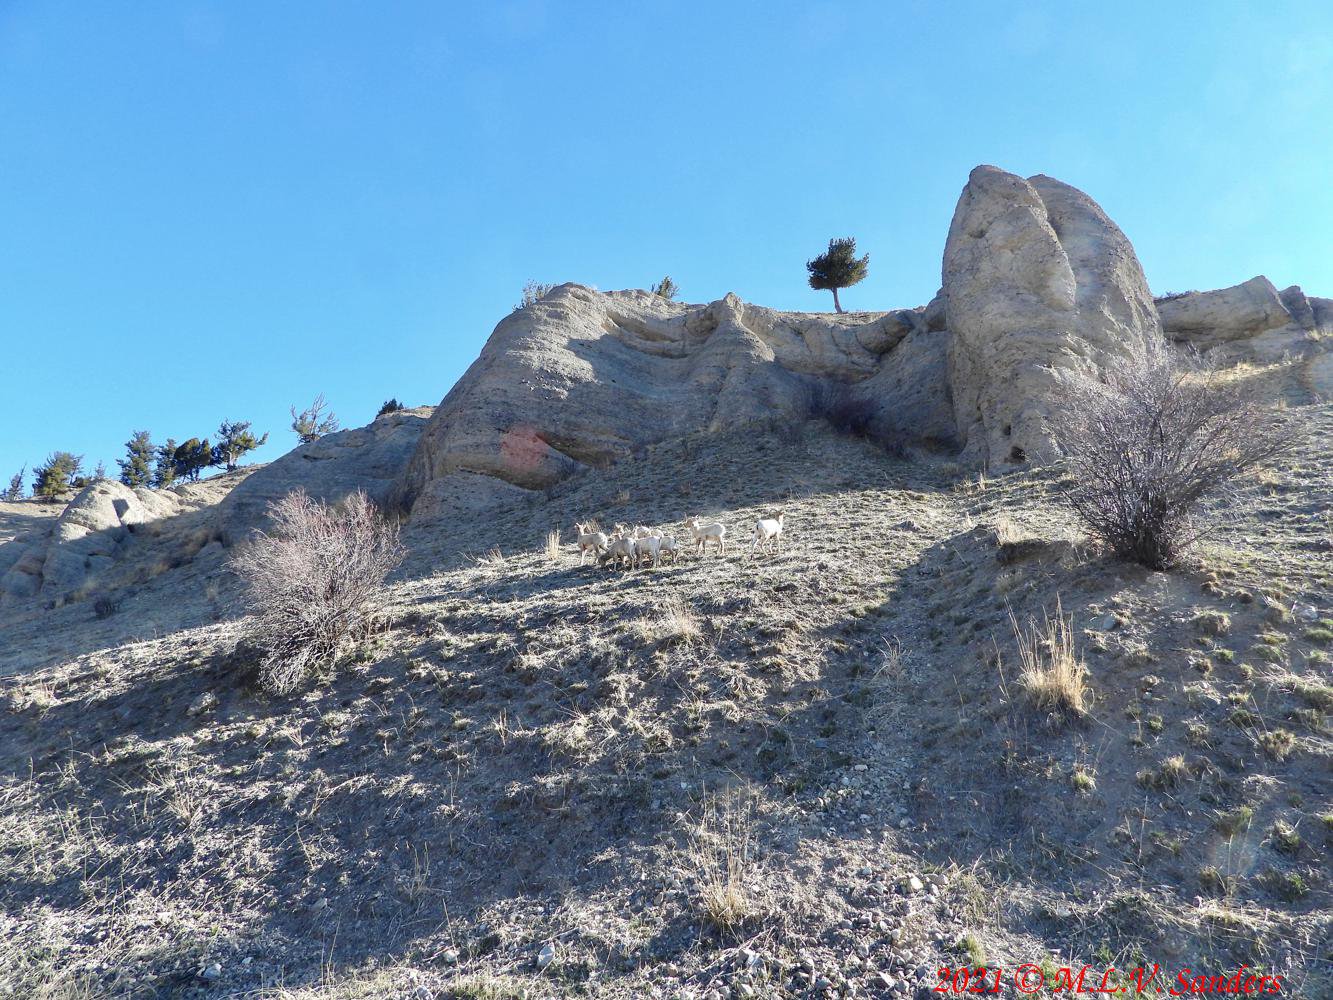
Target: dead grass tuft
{"points": [[1052, 676], [720, 854]]}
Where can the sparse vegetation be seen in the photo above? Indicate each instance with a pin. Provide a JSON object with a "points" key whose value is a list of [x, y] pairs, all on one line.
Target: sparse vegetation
{"points": [[533, 292], [315, 582], [720, 855], [666, 289], [390, 406], [1150, 440]]}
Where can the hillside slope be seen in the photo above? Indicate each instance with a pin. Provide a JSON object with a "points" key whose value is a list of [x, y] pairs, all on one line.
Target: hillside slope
{"points": [[807, 774]]}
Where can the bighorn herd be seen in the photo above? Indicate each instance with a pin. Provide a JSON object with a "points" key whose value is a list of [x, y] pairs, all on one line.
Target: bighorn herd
{"points": [[637, 546]]}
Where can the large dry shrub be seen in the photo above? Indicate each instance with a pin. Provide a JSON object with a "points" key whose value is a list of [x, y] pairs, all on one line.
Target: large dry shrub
{"points": [[1150, 439], [315, 581]]}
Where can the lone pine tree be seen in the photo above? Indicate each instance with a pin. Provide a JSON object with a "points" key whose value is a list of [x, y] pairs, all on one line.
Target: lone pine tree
{"points": [[838, 267]]}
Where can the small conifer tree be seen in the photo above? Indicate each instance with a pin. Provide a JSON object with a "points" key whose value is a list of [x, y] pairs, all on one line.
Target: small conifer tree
{"points": [[314, 421], [666, 288], [164, 472], [57, 474], [234, 441], [191, 458], [15, 489], [838, 267], [136, 468]]}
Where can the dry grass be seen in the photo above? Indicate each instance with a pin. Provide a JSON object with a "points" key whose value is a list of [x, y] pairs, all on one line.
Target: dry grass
{"points": [[1051, 674], [721, 856], [675, 623], [552, 549]]}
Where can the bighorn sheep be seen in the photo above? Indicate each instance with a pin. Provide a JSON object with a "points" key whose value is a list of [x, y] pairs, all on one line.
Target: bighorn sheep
{"points": [[647, 547], [669, 547], [705, 533], [767, 531], [590, 539], [618, 549]]}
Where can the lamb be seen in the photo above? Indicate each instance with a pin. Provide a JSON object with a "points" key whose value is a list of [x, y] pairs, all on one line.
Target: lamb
{"points": [[590, 539], [767, 531], [669, 547], [618, 549], [705, 533], [647, 547]]}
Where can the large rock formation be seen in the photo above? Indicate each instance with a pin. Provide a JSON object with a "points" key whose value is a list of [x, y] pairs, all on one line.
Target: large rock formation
{"points": [[584, 378], [1036, 277], [1252, 320], [367, 458]]}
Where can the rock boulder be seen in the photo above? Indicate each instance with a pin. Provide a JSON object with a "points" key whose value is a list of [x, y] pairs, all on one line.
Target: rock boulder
{"points": [[1036, 276]]}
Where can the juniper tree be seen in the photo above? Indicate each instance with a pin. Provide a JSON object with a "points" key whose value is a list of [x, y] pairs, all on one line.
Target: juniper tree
{"points": [[191, 458], [390, 406], [312, 423], [100, 471], [666, 288], [838, 267], [234, 441], [15, 490], [164, 473], [136, 468], [57, 474]]}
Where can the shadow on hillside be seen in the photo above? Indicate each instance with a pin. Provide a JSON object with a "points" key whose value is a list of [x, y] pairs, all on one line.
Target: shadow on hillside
{"points": [[167, 575]]}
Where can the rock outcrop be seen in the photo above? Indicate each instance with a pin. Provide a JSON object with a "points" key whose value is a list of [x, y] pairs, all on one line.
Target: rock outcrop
{"points": [[584, 378], [84, 542], [1252, 320], [1036, 277], [367, 458]]}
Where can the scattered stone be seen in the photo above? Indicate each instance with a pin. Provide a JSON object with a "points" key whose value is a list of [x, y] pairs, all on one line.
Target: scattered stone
{"points": [[206, 702], [547, 955]]}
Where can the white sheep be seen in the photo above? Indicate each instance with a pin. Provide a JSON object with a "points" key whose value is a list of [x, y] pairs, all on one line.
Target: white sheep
{"points": [[705, 533], [648, 548], [618, 549], [590, 540], [767, 531], [669, 547]]}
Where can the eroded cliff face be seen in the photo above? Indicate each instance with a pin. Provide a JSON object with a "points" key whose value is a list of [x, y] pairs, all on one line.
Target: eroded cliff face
{"points": [[585, 378], [1036, 277]]}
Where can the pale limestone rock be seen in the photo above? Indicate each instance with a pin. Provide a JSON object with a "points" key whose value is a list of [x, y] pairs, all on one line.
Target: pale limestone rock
{"points": [[1036, 277], [584, 378]]}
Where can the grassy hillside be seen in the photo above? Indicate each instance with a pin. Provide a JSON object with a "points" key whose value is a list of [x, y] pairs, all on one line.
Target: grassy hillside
{"points": [[807, 774]]}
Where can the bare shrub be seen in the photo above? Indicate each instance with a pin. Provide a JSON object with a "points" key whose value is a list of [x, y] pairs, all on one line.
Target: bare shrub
{"points": [[849, 414], [1150, 440], [315, 581], [533, 292], [1051, 674]]}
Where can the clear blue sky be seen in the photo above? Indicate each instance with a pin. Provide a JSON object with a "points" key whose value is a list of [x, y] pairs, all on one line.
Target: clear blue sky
{"points": [[214, 210]]}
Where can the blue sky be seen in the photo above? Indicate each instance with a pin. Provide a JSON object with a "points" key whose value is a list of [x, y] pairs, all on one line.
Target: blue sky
{"points": [[214, 210]]}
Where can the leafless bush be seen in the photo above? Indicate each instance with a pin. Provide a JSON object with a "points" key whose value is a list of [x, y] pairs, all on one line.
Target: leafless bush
{"points": [[316, 581], [533, 292], [849, 414], [1150, 440]]}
